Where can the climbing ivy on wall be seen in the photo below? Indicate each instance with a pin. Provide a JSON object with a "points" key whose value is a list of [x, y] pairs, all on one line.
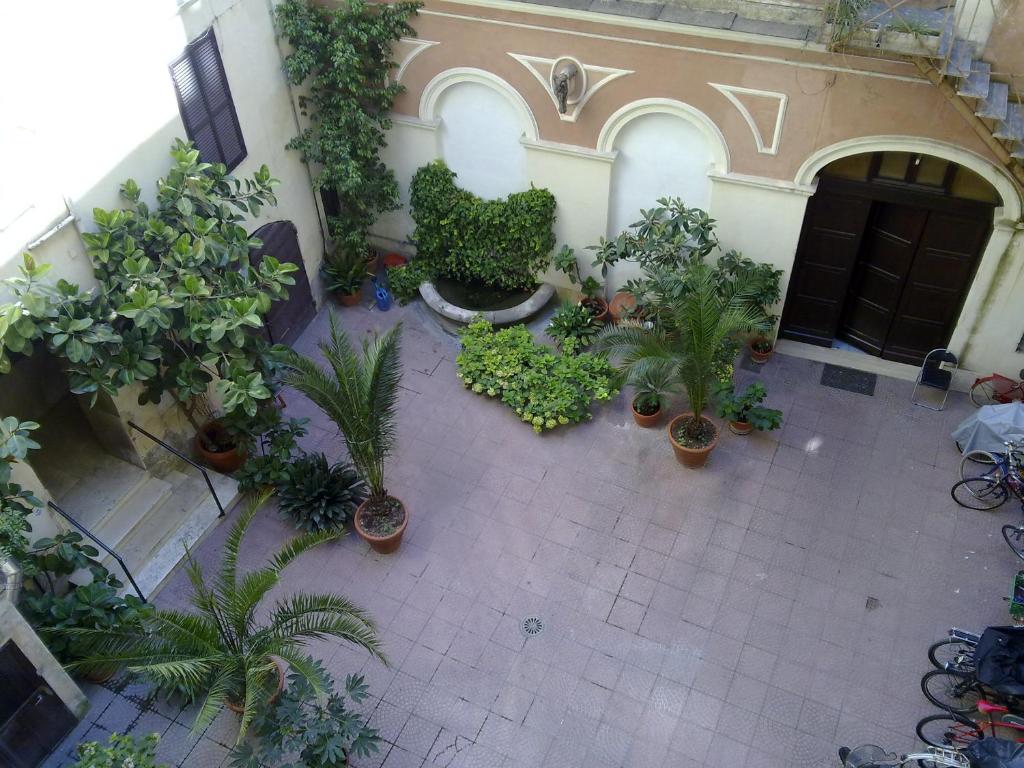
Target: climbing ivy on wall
{"points": [[342, 57], [504, 243]]}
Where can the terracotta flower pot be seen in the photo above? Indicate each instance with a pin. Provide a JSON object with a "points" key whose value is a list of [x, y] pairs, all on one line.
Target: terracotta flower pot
{"points": [[599, 308], [691, 457], [760, 357], [622, 304], [224, 462], [239, 709], [392, 260], [383, 545], [349, 299], [741, 427], [645, 420]]}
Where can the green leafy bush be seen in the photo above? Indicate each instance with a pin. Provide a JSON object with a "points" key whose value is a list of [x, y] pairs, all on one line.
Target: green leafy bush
{"points": [[344, 271], [16, 503], [121, 752], [271, 466], [405, 281], [318, 495], [303, 729], [746, 408], [573, 321], [504, 243], [544, 388]]}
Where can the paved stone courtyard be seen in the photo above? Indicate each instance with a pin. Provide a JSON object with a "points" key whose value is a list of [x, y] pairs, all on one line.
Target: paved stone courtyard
{"points": [[758, 612]]}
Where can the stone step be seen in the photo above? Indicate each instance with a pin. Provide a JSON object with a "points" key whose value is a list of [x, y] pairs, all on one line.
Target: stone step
{"points": [[146, 500], [958, 63], [782, 11], [1012, 128], [948, 36], [976, 84], [98, 495], [155, 548], [995, 105], [1018, 150]]}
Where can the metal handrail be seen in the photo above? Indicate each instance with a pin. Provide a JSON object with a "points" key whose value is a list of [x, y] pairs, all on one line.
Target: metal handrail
{"points": [[101, 545], [187, 460]]}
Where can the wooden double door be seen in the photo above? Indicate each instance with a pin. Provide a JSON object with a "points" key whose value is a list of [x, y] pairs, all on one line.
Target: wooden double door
{"points": [[885, 271]]}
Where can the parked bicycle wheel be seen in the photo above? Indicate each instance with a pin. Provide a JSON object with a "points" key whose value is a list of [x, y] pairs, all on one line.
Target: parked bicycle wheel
{"points": [[952, 653], [982, 493], [951, 689], [1014, 536], [949, 731], [984, 393], [980, 464]]}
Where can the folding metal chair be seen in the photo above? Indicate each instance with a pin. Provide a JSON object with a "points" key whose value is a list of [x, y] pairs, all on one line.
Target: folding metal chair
{"points": [[936, 373]]}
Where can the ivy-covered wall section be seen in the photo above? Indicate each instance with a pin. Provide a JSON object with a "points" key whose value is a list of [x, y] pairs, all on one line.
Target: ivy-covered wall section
{"points": [[504, 243]]}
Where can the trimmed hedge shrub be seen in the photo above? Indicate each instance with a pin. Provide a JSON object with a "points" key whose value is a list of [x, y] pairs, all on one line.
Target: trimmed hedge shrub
{"points": [[504, 243], [546, 389]]}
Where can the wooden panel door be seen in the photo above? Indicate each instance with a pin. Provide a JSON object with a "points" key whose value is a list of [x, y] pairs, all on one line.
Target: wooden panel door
{"points": [[829, 243], [288, 318], [943, 266], [883, 265]]}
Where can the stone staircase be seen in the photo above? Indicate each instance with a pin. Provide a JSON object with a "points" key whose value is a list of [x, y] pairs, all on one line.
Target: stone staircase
{"points": [[147, 516]]}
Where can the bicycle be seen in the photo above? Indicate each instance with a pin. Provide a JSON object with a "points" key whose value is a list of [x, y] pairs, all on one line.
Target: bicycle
{"points": [[994, 389], [958, 684], [956, 651], [988, 463], [871, 756], [952, 730], [990, 491]]}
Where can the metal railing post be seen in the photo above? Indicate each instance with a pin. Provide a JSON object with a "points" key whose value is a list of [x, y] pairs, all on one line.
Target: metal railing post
{"points": [[187, 460]]}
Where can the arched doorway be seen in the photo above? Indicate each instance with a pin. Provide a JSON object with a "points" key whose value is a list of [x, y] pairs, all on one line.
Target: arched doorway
{"points": [[289, 317], [889, 247]]}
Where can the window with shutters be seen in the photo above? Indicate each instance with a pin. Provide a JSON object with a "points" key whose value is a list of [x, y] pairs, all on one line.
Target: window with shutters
{"points": [[205, 102]]}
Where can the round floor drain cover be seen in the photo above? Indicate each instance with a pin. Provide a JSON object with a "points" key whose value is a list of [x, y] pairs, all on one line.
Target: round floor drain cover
{"points": [[532, 626]]}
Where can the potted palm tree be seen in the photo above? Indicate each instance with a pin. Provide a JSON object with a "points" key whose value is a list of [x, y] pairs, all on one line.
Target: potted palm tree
{"points": [[650, 391], [227, 651], [360, 395], [691, 330], [344, 273]]}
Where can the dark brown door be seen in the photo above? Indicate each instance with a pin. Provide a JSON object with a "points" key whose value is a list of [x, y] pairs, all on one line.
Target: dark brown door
{"points": [[885, 258], [288, 318], [828, 249], [936, 285]]}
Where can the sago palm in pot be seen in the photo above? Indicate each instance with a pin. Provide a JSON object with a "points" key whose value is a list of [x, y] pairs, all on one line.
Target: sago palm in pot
{"points": [[685, 346], [223, 652], [359, 393]]}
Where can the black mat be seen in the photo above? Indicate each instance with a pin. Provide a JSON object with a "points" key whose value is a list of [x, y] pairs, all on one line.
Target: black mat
{"points": [[848, 379]]}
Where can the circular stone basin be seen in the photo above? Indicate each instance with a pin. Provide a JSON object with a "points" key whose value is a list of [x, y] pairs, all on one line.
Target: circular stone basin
{"points": [[500, 308]]}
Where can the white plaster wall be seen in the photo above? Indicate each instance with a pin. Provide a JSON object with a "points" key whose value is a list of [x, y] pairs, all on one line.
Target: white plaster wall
{"points": [[411, 144], [480, 136]]}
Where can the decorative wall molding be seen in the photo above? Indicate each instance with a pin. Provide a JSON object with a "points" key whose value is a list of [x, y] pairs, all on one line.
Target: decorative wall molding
{"points": [[764, 182], [445, 80], [571, 150], [415, 122], [411, 47], [596, 77], [621, 117], [737, 96]]}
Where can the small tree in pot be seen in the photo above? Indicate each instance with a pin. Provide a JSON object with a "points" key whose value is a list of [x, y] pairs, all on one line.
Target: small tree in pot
{"points": [[360, 395], [685, 346]]}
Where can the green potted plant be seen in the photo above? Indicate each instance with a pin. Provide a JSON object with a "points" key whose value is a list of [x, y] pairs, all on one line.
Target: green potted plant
{"points": [[322, 731], [360, 395], [344, 273], [591, 290], [744, 412], [762, 282], [121, 751], [226, 650], [685, 347], [651, 386], [318, 495], [573, 321]]}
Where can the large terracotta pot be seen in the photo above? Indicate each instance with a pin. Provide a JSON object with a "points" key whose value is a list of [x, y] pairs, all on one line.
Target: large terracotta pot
{"points": [[383, 545], [691, 457], [239, 708], [645, 420], [759, 357], [622, 303], [224, 462], [349, 299], [741, 427]]}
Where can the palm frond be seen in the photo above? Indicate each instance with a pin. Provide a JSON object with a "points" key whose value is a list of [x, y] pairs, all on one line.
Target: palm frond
{"points": [[258, 678], [226, 683], [233, 542], [300, 544]]}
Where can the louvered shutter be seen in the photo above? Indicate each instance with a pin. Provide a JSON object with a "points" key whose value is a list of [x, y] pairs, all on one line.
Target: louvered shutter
{"points": [[204, 99]]}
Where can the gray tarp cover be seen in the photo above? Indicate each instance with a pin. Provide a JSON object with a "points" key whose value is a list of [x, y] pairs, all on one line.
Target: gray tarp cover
{"points": [[990, 426]]}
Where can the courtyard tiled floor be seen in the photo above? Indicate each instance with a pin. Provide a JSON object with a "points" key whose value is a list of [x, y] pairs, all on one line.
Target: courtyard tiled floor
{"points": [[758, 612]]}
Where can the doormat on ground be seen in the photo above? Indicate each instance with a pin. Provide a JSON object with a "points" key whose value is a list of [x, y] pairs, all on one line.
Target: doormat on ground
{"points": [[837, 377]]}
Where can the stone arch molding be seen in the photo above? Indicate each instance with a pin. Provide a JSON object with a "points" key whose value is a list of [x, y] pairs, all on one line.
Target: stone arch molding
{"points": [[1012, 208], [621, 117], [443, 81]]}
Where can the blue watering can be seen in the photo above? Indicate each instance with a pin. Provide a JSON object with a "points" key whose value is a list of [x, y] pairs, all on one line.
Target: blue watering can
{"points": [[382, 296]]}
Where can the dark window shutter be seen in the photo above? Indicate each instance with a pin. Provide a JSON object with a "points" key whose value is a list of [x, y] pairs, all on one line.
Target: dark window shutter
{"points": [[204, 99]]}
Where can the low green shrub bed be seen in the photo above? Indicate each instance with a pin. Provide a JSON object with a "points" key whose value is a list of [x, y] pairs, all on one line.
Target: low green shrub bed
{"points": [[505, 243], [545, 388]]}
